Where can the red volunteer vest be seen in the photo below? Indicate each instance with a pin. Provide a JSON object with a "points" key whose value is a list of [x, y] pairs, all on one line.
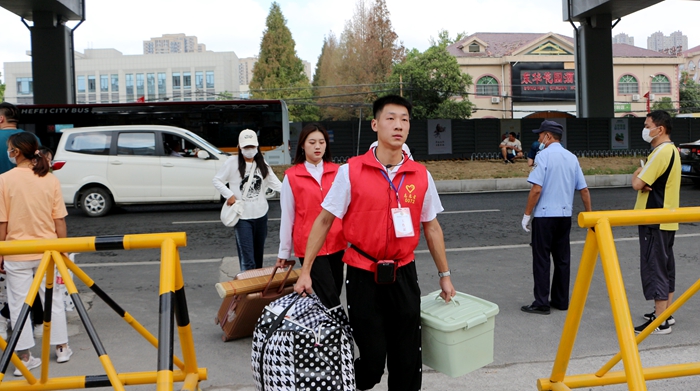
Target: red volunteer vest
{"points": [[368, 223], [307, 199]]}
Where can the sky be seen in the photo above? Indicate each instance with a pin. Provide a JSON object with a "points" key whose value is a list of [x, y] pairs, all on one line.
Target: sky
{"points": [[237, 25]]}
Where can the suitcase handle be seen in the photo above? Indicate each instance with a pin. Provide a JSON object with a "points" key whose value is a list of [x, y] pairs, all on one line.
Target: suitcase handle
{"points": [[289, 265]]}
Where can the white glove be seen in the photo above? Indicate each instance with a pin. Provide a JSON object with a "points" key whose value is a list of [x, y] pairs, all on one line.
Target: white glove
{"points": [[526, 222]]}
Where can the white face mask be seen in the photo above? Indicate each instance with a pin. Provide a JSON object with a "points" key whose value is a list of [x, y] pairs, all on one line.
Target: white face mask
{"points": [[249, 153], [543, 145], [12, 160], [646, 136]]}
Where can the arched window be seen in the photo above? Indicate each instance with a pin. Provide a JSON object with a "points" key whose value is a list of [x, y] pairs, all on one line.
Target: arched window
{"points": [[474, 48], [660, 85], [691, 66], [628, 85], [487, 85]]}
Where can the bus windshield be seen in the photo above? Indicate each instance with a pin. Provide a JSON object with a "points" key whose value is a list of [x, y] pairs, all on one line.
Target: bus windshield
{"points": [[217, 122]]}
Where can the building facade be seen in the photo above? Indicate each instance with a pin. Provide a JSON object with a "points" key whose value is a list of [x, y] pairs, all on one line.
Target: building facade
{"points": [[108, 76], [518, 75], [672, 44], [623, 38], [173, 43], [691, 62]]}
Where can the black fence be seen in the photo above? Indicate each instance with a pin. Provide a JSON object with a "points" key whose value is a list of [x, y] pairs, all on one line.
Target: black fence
{"points": [[479, 138]]}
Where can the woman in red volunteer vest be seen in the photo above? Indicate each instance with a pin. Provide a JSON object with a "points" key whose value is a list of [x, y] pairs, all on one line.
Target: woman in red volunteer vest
{"points": [[304, 186]]}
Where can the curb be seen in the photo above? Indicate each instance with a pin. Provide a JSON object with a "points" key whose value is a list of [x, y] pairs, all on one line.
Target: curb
{"points": [[520, 184]]}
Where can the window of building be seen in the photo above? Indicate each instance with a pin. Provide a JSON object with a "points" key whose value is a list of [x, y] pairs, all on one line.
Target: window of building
{"points": [[151, 84], [115, 83], [474, 48], [81, 83], [91, 83], [139, 85], [487, 85], [199, 80], [129, 81], [186, 80], [176, 81], [691, 66], [210, 79], [628, 85], [161, 83], [25, 86], [660, 85], [104, 83]]}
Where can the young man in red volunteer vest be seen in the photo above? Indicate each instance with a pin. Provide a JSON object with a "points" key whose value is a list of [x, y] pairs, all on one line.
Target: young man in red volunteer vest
{"points": [[383, 197]]}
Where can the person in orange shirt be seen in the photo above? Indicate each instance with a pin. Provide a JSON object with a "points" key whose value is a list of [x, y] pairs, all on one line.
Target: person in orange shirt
{"points": [[31, 207]]}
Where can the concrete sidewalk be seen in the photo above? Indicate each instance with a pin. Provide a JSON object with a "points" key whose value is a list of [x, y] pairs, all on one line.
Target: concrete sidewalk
{"points": [[514, 184]]}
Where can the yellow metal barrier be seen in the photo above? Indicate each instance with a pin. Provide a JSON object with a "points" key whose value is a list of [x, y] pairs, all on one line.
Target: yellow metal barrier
{"points": [[173, 309], [599, 241]]}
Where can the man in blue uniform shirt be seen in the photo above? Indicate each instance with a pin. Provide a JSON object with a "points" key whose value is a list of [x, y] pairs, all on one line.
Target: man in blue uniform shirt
{"points": [[555, 177]]}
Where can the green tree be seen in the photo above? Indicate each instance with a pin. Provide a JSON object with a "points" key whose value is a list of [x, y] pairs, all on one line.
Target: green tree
{"points": [[689, 95], [434, 82], [224, 96], [2, 91], [279, 72], [664, 103], [353, 69]]}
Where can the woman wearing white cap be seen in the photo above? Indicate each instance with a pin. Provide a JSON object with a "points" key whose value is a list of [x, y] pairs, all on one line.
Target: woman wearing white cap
{"points": [[250, 166]]}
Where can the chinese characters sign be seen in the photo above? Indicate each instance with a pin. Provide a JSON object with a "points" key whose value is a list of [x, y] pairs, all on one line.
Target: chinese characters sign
{"points": [[543, 82]]}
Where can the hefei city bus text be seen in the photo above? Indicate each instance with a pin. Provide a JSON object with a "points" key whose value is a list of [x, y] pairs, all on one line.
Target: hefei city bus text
{"points": [[218, 122]]}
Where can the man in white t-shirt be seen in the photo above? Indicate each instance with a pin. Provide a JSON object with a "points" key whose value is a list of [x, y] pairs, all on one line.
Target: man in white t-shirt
{"points": [[384, 198], [511, 148]]}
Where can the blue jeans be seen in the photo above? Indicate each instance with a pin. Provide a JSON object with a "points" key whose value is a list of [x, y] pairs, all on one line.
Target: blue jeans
{"points": [[250, 241]]}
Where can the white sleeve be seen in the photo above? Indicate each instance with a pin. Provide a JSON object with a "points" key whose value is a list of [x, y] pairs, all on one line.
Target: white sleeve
{"points": [[431, 203], [338, 198], [222, 177], [286, 220], [272, 181]]}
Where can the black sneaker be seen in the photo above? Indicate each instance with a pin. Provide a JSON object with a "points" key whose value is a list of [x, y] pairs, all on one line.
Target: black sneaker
{"points": [[671, 320], [664, 328], [506, 162]]}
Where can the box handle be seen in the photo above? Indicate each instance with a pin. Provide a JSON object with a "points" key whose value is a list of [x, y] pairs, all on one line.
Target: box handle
{"points": [[454, 300], [477, 320]]}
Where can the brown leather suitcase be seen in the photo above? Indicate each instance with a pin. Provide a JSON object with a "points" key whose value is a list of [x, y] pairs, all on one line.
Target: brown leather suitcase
{"points": [[239, 313]]}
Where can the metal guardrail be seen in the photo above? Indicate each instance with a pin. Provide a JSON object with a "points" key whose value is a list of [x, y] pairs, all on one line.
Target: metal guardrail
{"points": [[173, 308], [600, 241]]}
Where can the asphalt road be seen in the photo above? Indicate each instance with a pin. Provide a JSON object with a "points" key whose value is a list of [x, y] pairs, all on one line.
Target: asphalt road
{"points": [[489, 257]]}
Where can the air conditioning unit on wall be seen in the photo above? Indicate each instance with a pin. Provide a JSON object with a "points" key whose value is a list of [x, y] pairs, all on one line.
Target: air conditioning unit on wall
{"points": [[635, 97], [495, 99], [652, 96]]}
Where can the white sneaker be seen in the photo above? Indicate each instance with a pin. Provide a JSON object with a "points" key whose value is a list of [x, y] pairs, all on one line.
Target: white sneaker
{"points": [[63, 354], [3, 328], [32, 363]]}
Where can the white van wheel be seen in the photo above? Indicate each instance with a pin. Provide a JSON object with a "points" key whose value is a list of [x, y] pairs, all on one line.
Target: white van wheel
{"points": [[96, 202]]}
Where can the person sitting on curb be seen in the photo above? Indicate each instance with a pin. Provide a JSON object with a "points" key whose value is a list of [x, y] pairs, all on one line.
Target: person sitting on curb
{"points": [[511, 148]]}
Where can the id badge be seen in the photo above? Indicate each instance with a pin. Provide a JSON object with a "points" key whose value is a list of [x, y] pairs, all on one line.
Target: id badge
{"points": [[403, 226]]}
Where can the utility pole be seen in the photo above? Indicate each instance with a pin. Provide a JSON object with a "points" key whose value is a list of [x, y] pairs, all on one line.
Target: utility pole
{"points": [[401, 85]]}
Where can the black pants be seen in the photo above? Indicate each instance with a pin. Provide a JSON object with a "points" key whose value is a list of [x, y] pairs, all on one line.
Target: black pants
{"points": [[550, 237], [385, 320], [657, 262], [327, 278]]}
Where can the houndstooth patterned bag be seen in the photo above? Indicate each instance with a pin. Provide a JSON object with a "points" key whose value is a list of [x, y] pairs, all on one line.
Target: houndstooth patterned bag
{"points": [[298, 344]]}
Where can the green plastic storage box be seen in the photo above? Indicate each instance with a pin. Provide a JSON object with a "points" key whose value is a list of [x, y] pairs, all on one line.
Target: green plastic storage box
{"points": [[457, 337]]}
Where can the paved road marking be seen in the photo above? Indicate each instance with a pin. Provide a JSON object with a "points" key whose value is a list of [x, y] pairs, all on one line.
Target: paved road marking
{"points": [[449, 250], [469, 211], [277, 218], [212, 221]]}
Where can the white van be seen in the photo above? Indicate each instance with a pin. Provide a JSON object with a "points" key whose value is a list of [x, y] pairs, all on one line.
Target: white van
{"points": [[100, 167]]}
